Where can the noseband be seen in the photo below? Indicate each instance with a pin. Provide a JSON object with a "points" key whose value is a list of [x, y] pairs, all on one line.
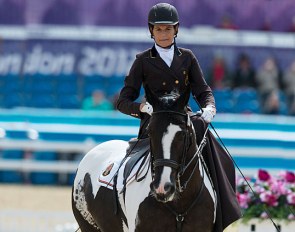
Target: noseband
{"points": [[179, 167]]}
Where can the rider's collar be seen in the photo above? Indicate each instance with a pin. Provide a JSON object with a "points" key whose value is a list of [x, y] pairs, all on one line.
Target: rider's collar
{"points": [[154, 52], [165, 49]]}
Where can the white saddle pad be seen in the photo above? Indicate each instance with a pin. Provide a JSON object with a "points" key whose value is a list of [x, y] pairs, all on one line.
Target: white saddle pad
{"points": [[106, 178]]}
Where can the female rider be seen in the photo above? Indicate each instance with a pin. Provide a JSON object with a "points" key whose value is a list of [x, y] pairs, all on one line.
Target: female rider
{"points": [[164, 68]]}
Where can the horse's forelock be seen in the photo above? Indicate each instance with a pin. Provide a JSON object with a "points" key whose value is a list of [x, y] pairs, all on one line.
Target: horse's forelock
{"points": [[169, 99]]}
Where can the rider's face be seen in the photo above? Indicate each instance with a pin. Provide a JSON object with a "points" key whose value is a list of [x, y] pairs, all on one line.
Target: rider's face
{"points": [[164, 34]]}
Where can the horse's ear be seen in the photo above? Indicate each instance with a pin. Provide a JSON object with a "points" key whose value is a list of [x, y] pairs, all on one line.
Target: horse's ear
{"points": [[150, 96], [183, 99]]}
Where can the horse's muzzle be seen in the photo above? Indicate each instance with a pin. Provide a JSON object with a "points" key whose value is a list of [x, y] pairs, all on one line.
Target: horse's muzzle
{"points": [[163, 193]]}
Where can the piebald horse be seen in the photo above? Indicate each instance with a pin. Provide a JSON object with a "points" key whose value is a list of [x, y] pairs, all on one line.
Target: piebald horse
{"points": [[168, 190]]}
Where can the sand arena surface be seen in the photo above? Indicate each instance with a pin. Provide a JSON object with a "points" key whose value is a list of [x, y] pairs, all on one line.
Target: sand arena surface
{"points": [[32, 197], [40, 198], [31, 208]]}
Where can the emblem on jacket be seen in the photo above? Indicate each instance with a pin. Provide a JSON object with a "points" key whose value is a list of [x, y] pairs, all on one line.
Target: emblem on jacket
{"points": [[185, 73]]}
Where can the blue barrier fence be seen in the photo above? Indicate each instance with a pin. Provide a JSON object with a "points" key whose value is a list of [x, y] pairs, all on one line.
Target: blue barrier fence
{"points": [[42, 137]]}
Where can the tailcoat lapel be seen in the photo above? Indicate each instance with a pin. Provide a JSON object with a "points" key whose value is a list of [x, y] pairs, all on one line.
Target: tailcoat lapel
{"points": [[155, 59], [177, 61]]}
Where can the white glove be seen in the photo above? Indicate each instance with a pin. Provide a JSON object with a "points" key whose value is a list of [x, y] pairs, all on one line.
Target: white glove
{"points": [[208, 113], [147, 108]]}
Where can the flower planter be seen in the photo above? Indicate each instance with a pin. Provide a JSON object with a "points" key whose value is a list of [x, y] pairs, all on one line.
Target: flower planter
{"points": [[266, 225], [270, 195]]}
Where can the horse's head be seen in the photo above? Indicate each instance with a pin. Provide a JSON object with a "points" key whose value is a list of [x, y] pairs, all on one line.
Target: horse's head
{"points": [[171, 135]]}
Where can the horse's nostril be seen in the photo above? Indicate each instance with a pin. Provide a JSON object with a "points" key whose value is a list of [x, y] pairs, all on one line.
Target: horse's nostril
{"points": [[168, 187]]}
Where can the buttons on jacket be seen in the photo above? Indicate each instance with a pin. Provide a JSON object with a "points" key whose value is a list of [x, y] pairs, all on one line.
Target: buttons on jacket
{"points": [[177, 82], [164, 83]]}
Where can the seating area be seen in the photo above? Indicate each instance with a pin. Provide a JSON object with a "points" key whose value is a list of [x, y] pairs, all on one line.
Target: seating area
{"points": [[246, 101], [68, 92], [241, 102], [237, 101], [63, 91]]}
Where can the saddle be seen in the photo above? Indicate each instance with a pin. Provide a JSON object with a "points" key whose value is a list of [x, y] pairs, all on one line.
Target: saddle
{"points": [[137, 149]]}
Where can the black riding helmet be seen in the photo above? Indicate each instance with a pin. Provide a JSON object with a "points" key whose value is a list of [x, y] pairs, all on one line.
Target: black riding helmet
{"points": [[163, 13]]}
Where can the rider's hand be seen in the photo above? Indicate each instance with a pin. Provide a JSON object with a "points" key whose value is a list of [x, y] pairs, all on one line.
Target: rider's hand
{"points": [[208, 113], [146, 108]]}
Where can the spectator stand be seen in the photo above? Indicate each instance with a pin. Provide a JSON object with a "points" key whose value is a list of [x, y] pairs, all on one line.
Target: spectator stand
{"points": [[68, 91]]}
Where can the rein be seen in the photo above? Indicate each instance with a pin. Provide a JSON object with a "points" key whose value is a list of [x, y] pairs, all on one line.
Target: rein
{"points": [[197, 154]]}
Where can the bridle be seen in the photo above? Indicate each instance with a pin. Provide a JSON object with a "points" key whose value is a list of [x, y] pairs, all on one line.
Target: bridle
{"points": [[179, 167], [182, 167]]}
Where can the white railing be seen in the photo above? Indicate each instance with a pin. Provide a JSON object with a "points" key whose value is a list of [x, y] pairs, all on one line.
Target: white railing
{"points": [[41, 145], [29, 165], [25, 165]]}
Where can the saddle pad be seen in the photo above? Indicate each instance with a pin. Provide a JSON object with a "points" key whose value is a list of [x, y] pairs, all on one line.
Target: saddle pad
{"points": [[106, 178]]}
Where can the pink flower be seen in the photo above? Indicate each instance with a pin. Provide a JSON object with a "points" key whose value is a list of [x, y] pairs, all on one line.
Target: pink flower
{"points": [[259, 189], [279, 187], [268, 198], [290, 177], [287, 176], [243, 199], [263, 175], [291, 198], [291, 217]]}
